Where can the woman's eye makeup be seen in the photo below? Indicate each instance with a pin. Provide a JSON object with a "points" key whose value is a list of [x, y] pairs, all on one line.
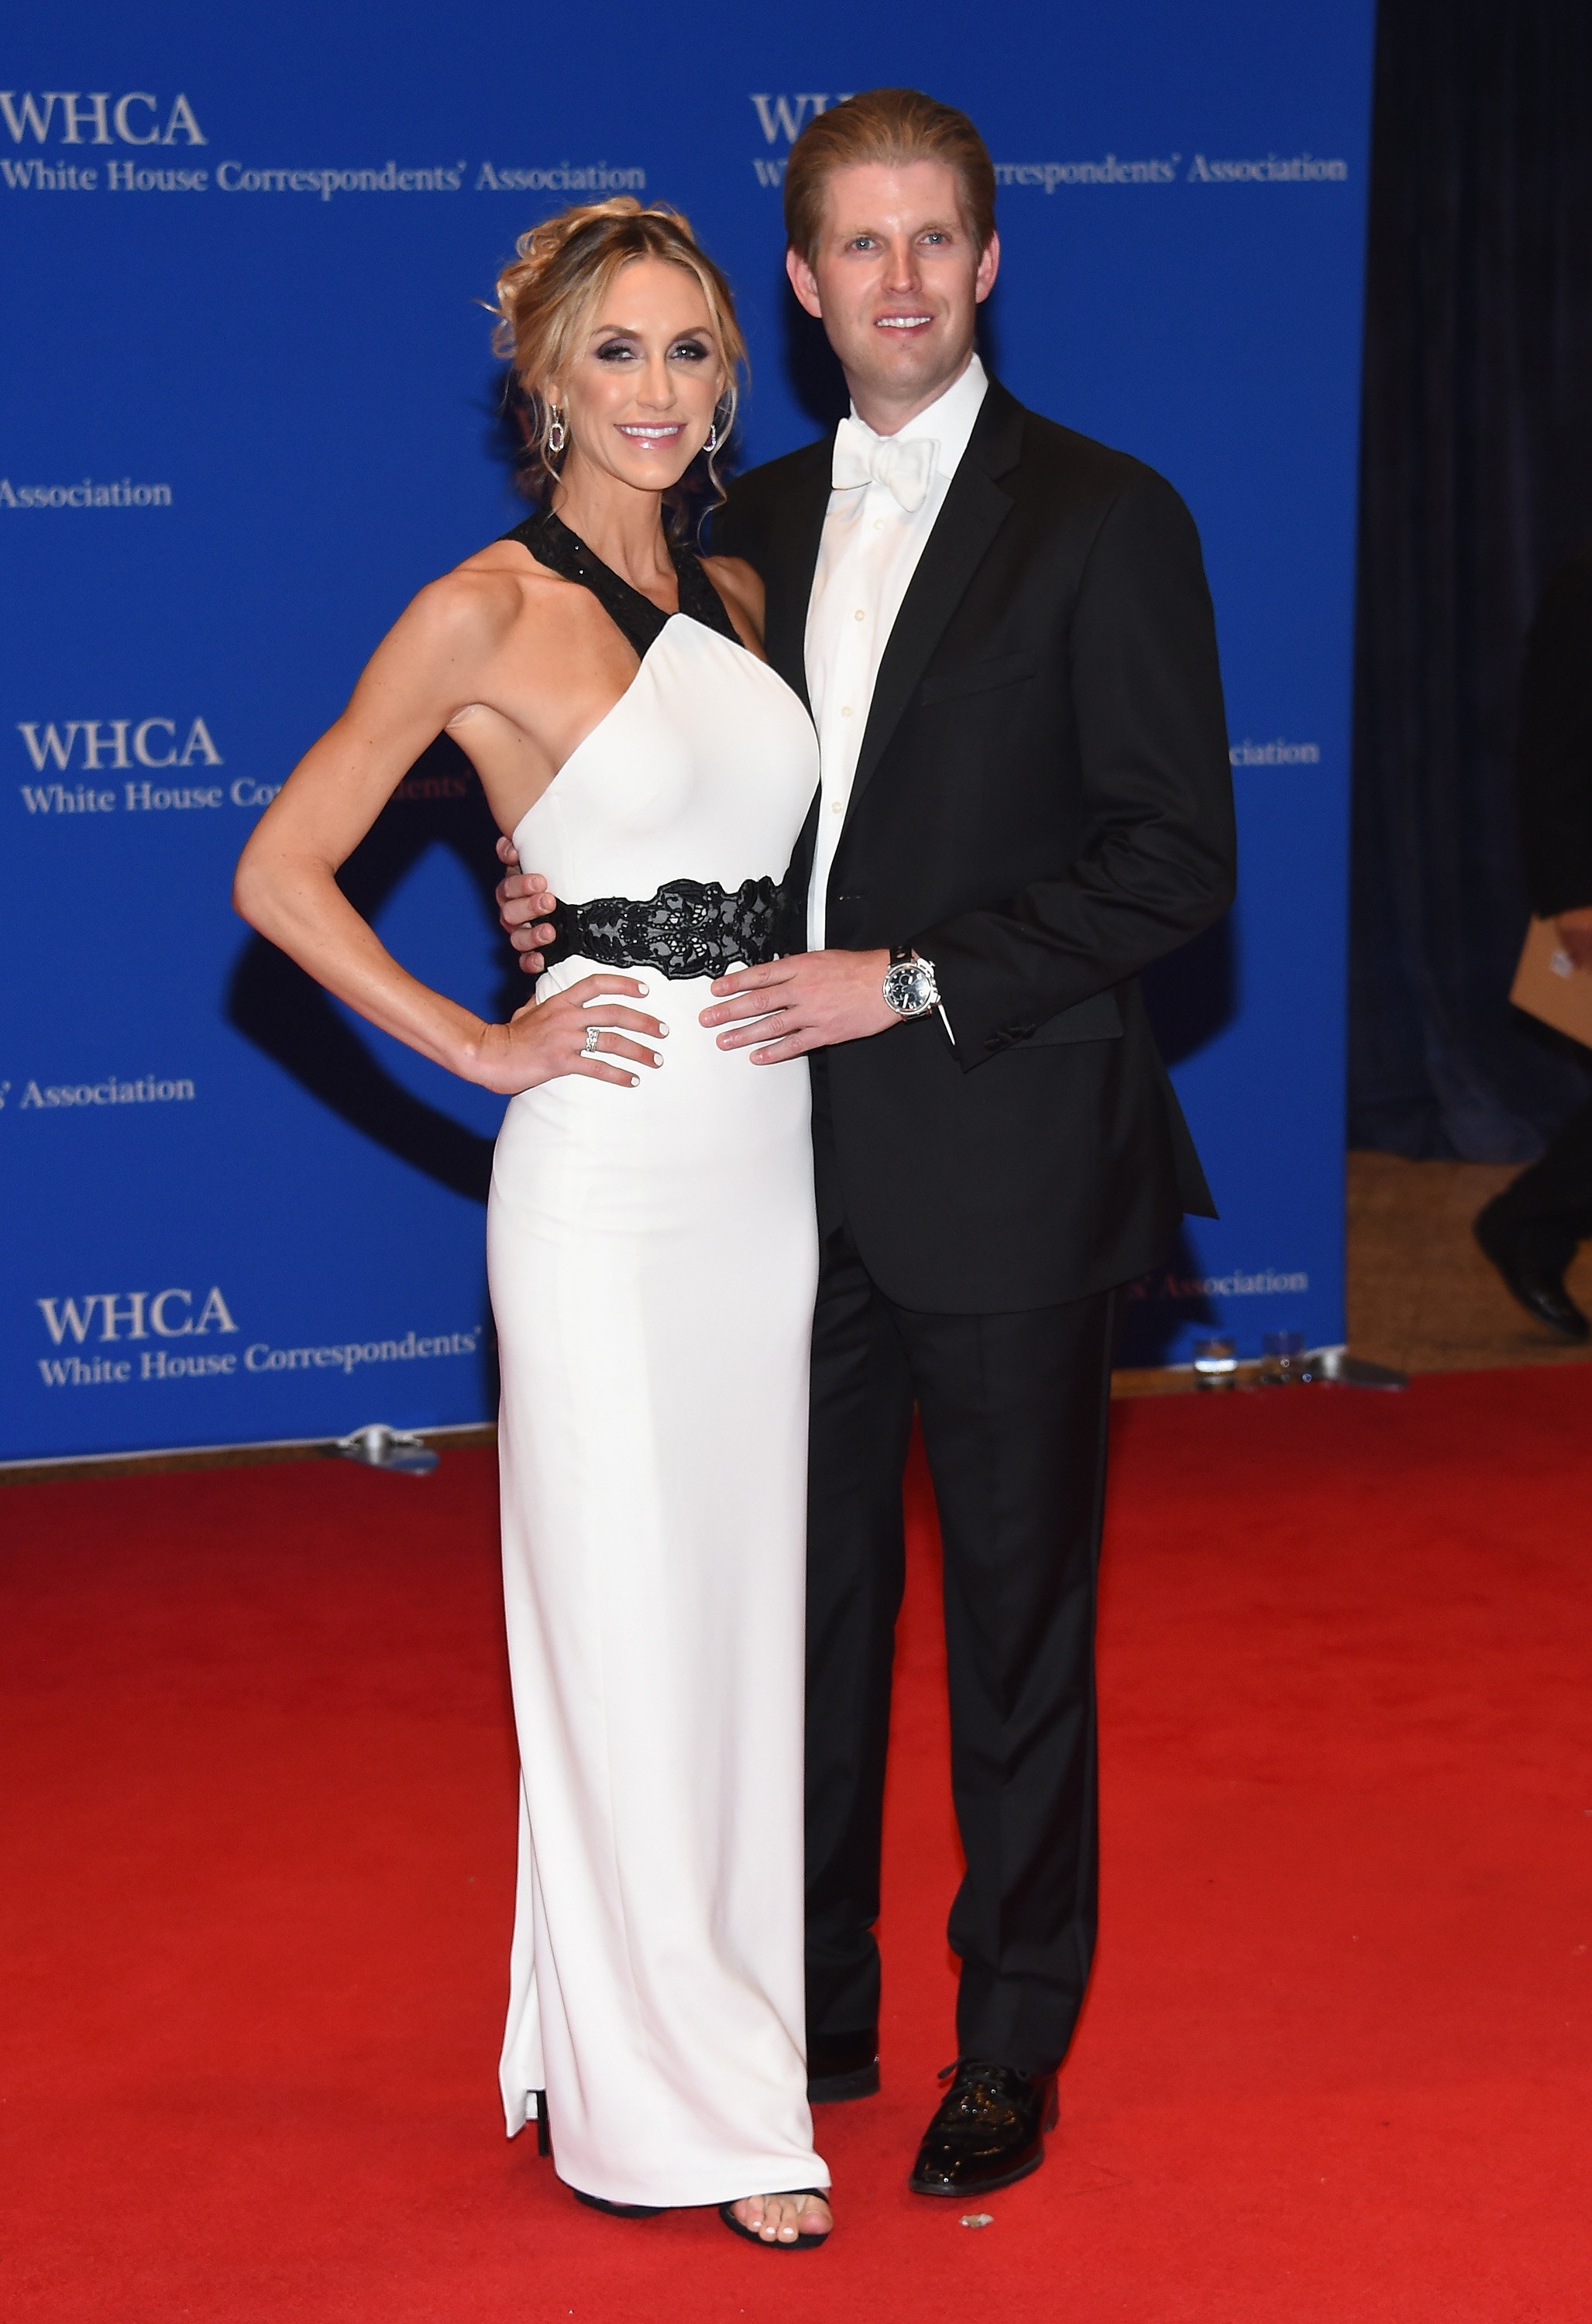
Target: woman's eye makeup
{"points": [[689, 350]]}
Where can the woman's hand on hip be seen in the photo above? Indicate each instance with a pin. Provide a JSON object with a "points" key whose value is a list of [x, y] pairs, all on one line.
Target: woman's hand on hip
{"points": [[581, 1031]]}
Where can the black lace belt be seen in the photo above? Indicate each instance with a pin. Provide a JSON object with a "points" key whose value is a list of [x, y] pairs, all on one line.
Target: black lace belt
{"points": [[689, 928]]}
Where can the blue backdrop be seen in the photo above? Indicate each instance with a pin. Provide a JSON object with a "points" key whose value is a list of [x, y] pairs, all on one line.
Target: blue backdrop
{"points": [[251, 408]]}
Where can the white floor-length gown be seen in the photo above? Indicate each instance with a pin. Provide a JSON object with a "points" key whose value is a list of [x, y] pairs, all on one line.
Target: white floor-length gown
{"points": [[653, 1257]]}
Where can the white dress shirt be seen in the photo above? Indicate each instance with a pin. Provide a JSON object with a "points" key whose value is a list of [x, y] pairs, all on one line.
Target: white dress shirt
{"points": [[869, 553]]}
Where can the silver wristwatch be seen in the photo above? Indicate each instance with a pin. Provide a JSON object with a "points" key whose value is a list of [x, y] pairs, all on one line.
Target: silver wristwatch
{"points": [[910, 987]]}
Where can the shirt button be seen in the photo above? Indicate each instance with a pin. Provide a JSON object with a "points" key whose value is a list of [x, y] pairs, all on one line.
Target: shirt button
{"points": [[878, 524], [858, 615], [835, 806], [845, 710]]}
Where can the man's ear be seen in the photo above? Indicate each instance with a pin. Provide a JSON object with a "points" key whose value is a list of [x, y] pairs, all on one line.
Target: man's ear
{"points": [[805, 282], [989, 268]]}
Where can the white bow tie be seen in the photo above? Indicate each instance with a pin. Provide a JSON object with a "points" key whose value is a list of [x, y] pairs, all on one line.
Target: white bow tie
{"points": [[861, 457]]}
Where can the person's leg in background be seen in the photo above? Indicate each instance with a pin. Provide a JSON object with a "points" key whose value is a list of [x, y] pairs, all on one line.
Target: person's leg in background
{"points": [[1530, 1230]]}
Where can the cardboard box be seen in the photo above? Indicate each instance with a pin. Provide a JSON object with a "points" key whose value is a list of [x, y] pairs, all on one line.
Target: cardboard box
{"points": [[1547, 985]]}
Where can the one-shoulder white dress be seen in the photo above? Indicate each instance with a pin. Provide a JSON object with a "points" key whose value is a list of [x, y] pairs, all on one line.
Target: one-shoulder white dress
{"points": [[652, 1255]]}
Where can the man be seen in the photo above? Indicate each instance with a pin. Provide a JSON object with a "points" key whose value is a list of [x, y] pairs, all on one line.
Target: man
{"points": [[1004, 635], [1530, 1232]]}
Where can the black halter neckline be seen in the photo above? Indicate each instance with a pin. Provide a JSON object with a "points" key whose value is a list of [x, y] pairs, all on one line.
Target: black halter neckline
{"points": [[551, 542]]}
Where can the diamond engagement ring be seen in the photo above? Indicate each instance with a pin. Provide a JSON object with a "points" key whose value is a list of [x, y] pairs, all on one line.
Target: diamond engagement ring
{"points": [[588, 1047]]}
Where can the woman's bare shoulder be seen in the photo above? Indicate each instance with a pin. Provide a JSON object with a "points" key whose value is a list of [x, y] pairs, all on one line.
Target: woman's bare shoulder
{"points": [[743, 592], [511, 562], [484, 597]]}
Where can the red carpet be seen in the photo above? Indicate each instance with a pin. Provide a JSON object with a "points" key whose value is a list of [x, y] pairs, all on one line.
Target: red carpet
{"points": [[259, 1830]]}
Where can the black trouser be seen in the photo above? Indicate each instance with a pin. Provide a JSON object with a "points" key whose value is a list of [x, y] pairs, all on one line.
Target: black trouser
{"points": [[1551, 1202], [1013, 1409]]}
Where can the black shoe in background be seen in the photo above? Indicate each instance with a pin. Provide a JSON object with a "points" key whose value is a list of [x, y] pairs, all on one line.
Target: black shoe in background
{"points": [[842, 2066], [988, 2130], [1534, 1280]]}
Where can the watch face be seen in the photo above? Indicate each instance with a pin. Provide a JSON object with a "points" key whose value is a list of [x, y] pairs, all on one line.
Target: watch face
{"points": [[909, 987]]}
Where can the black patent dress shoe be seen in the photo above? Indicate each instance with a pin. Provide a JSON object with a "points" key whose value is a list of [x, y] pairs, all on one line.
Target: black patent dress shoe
{"points": [[1535, 1281], [988, 2130], [842, 2066]]}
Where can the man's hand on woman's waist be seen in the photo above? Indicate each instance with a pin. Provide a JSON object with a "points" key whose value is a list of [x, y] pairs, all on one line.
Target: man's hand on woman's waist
{"points": [[523, 900]]}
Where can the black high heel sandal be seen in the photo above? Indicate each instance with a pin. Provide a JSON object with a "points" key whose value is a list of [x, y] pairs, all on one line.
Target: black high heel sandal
{"points": [[765, 2242], [543, 2145]]}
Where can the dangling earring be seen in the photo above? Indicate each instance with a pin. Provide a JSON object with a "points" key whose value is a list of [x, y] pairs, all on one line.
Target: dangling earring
{"points": [[558, 436], [713, 438]]}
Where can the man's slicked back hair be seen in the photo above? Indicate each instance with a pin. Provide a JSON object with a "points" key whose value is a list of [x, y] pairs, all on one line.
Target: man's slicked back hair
{"points": [[892, 128]]}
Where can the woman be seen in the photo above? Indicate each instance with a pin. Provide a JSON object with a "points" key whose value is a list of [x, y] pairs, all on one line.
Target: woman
{"points": [[650, 1235]]}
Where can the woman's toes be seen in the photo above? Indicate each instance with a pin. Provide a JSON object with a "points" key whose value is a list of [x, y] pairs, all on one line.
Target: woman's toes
{"points": [[802, 2215], [782, 2219]]}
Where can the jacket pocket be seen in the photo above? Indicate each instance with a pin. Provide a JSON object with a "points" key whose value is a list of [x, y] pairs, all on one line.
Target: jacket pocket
{"points": [[1098, 1019], [976, 677]]}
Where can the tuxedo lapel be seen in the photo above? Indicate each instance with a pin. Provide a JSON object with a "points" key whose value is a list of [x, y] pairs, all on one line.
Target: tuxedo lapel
{"points": [[975, 508], [792, 560]]}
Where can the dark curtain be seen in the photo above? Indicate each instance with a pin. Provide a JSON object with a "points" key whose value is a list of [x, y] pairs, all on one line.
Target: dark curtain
{"points": [[1476, 485]]}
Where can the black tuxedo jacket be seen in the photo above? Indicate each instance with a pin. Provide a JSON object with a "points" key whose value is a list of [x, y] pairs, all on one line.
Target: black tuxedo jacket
{"points": [[1043, 805]]}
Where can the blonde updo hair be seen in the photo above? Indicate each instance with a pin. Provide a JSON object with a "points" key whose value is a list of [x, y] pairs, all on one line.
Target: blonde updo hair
{"points": [[560, 275]]}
